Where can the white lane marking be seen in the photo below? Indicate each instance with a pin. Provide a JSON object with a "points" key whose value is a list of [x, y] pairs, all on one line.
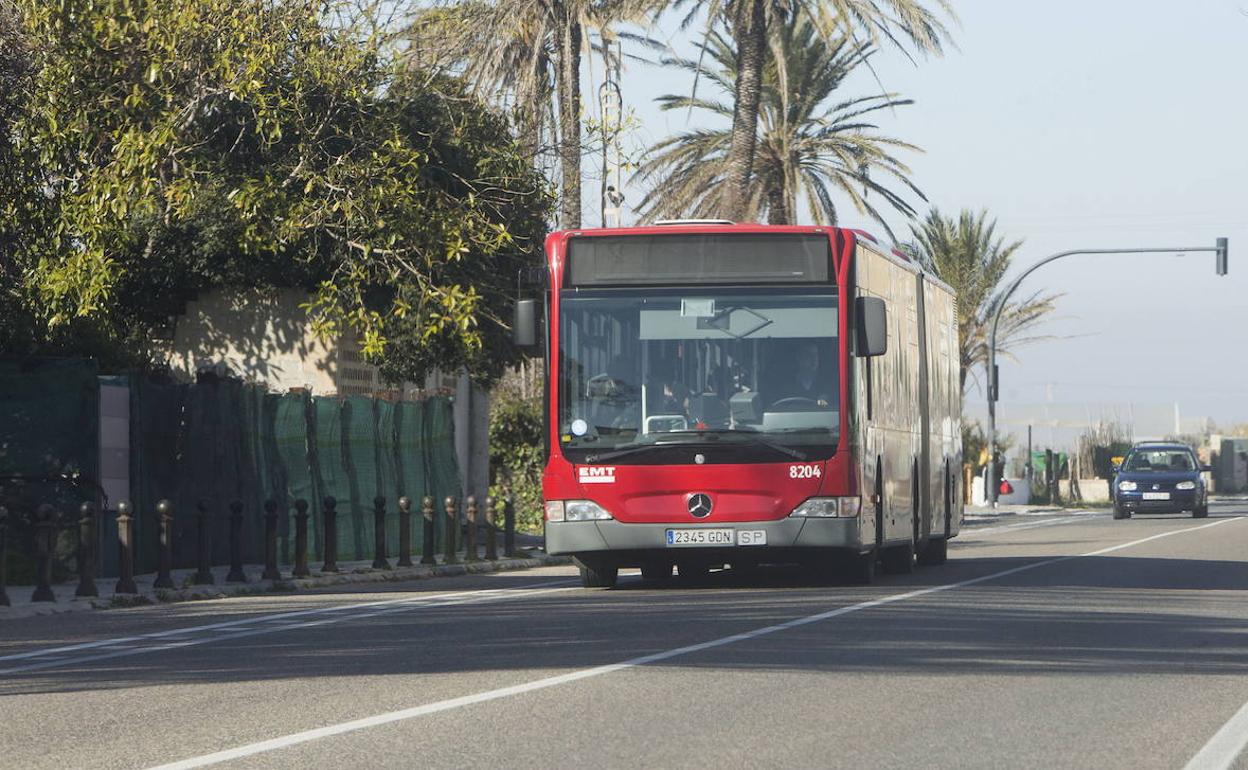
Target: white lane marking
{"points": [[136, 645], [1226, 744], [293, 739]]}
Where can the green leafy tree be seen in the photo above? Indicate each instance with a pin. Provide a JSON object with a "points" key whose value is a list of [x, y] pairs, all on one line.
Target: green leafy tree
{"points": [[811, 139], [203, 142], [967, 254], [905, 23]]}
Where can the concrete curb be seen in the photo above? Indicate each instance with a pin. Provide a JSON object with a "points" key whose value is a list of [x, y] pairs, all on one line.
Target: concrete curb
{"points": [[258, 587]]}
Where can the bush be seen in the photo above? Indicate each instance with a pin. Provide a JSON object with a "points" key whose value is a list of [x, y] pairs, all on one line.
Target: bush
{"points": [[516, 457]]}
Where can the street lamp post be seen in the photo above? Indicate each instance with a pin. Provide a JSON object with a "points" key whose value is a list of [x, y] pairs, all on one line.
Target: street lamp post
{"points": [[994, 385]]}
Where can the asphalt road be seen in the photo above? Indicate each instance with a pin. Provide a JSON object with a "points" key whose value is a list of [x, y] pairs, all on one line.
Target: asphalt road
{"points": [[1054, 641]]}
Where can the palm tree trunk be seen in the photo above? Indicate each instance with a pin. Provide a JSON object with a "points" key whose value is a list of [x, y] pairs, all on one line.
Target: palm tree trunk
{"points": [[778, 207], [750, 32], [570, 118]]}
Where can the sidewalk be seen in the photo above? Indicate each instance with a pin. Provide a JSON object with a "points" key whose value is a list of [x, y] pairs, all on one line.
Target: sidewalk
{"points": [[355, 572], [983, 514]]}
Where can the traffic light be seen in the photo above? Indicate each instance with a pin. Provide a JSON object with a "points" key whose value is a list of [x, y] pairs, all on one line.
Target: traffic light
{"points": [[1221, 256]]}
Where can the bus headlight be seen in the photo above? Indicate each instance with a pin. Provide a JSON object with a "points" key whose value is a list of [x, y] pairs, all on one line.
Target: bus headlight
{"points": [[1127, 486], [575, 510], [1185, 485], [828, 508]]}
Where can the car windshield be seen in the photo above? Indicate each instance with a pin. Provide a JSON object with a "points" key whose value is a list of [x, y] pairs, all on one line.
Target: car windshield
{"points": [[728, 367], [1160, 461]]}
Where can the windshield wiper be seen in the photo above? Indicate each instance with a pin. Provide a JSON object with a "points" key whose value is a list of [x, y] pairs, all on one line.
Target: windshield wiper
{"points": [[705, 436]]}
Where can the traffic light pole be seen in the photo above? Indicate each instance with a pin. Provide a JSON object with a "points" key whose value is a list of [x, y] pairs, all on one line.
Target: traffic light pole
{"points": [[994, 384]]}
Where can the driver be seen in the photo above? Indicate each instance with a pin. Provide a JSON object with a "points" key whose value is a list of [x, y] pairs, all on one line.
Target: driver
{"points": [[808, 381]]}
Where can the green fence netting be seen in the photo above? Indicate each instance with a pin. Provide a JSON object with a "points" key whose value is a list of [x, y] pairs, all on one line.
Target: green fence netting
{"points": [[213, 442], [49, 446], [219, 441]]}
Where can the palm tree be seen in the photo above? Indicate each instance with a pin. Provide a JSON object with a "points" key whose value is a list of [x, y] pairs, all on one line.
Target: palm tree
{"points": [[855, 20], [808, 143], [526, 54], [967, 254]]}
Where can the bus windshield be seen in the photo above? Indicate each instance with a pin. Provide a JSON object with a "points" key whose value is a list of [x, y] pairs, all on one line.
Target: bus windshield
{"points": [[754, 369]]}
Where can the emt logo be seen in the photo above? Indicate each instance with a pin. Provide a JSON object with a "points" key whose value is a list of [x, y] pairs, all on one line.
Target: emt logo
{"points": [[596, 474]]}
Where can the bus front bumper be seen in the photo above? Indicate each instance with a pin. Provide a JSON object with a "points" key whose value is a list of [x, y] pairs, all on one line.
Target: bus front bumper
{"points": [[576, 537]]}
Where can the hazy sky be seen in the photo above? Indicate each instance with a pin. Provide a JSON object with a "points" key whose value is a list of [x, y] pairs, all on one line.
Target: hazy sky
{"points": [[1083, 124]]}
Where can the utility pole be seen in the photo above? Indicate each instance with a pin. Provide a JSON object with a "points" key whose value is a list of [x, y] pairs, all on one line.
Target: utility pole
{"points": [[994, 380], [611, 110]]}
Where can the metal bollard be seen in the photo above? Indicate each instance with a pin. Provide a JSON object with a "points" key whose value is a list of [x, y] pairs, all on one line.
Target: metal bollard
{"points": [[4, 556], [203, 574], [427, 546], [405, 531], [452, 524], [301, 539], [164, 567], [236, 544], [125, 550], [44, 526], [509, 528], [470, 531], [331, 534], [491, 533], [271, 572], [86, 551], [379, 533]]}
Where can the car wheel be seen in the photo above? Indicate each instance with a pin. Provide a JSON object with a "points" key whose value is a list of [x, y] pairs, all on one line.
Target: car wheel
{"points": [[1201, 512], [1119, 513]]}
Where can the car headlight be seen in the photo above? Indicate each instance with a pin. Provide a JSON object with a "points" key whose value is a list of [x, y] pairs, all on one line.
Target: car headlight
{"points": [[828, 508], [575, 510], [1185, 485], [1126, 486]]}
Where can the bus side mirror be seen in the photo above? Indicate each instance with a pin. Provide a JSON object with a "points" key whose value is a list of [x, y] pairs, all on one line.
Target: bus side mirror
{"points": [[872, 326], [524, 323]]}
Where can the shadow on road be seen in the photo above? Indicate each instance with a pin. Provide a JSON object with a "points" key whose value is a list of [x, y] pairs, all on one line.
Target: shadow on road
{"points": [[1108, 614]]}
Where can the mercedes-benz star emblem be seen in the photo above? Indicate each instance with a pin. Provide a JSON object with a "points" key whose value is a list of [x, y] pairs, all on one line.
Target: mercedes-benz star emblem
{"points": [[700, 505]]}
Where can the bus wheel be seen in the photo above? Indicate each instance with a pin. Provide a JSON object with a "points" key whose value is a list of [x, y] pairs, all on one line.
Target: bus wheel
{"points": [[598, 575], [899, 559], [693, 572], [656, 570], [861, 568], [936, 552]]}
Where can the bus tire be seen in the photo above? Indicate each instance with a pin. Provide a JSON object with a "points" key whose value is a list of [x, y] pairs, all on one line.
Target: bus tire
{"points": [[898, 559], [656, 571], [598, 574], [860, 569], [936, 552], [693, 572]]}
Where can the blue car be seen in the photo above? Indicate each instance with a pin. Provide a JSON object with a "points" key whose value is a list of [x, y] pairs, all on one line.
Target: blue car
{"points": [[1160, 478]]}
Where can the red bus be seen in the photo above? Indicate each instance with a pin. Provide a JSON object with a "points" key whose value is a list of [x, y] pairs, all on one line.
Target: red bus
{"points": [[735, 395]]}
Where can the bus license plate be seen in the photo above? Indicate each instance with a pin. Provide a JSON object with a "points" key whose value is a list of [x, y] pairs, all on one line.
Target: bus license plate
{"points": [[696, 537], [1156, 495]]}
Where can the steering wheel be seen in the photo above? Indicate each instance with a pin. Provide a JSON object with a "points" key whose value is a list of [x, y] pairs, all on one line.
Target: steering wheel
{"points": [[795, 404]]}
